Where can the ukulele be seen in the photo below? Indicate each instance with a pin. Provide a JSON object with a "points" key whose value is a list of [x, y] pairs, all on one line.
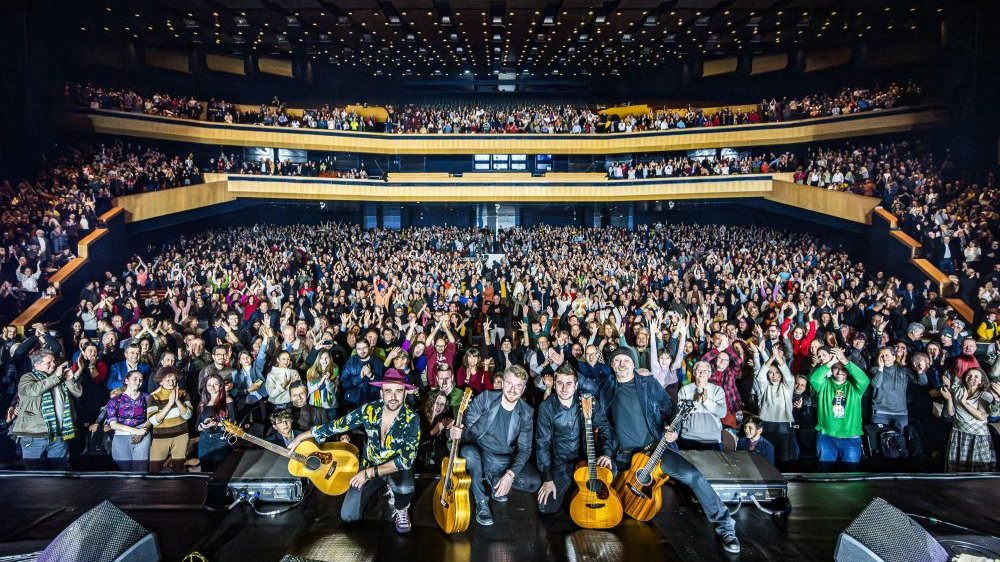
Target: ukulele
{"points": [[595, 505], [452, 509], [329, 467], [639, 487]]}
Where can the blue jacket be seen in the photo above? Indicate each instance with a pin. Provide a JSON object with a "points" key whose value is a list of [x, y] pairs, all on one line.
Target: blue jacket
{"points": [[591, 377], [118, 372], [657, 408], [356, 388]]}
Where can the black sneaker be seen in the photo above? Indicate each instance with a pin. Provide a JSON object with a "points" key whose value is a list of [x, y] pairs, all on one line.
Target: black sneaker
{"points": [[483, 515], [731, 544], [500, 499]]}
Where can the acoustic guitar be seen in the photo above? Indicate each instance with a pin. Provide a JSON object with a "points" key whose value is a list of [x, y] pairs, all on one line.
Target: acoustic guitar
{"points": [[329, 467], [595, 505], [452, 509], [639, 487]]}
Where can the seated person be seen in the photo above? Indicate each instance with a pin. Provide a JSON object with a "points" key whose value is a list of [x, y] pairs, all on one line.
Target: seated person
{"points": [[753, 440], [284, 432]]}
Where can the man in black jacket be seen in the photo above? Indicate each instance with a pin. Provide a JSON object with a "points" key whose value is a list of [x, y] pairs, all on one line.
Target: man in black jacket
{"points": [[559, 436], [497, 443]]}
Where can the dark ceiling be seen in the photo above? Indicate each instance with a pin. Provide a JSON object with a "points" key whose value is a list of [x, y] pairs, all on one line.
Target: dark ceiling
{"points": [[481, 37]]}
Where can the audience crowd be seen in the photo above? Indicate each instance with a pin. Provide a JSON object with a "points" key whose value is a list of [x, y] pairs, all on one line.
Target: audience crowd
{"points": [[43, 220], [684, 166], [791, 348], [956, 221], [484, 117]]}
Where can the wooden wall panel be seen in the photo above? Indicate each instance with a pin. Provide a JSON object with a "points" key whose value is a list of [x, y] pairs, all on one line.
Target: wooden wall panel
{"points": [[718, 67], [830, 58], [222, 63], [169, 60], [154, 204], [768, 63], [848, 206], [276, 67]]}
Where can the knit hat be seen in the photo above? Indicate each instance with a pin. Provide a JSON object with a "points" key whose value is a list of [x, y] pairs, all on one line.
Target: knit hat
{"points": [[622, 351], [948, 333]]}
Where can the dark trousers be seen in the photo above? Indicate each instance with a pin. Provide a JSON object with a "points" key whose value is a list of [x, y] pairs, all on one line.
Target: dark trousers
{"points": [[780, 435], [679, 469], [562, 477], [483, 465], [356, 500]]}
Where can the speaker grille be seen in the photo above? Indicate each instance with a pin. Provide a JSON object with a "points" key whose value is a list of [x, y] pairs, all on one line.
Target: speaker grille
{"points": [[893, 536], [100, 535]]}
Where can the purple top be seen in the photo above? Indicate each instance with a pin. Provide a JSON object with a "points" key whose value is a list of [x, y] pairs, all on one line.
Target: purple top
{"points": [[127, 411]]}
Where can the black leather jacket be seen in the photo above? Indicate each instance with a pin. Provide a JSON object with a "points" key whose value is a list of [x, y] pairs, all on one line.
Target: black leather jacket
{"points": [[559, 438]]}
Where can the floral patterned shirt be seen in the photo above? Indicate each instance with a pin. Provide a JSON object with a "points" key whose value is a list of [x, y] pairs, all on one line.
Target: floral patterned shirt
{"points": [[401, 441], [127, 411]]}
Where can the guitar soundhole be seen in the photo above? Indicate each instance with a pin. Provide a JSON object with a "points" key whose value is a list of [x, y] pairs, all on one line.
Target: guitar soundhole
{"points": [[313, 463], [643, 479], [598, 488]]}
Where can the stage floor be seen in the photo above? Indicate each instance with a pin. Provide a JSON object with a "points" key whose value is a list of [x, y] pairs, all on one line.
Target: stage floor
{"points": [[37, 507]]}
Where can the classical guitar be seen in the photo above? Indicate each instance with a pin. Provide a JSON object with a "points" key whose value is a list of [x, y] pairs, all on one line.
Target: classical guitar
{"points": [[329, 467], [595, 505], [639, 487], [452, 509]]}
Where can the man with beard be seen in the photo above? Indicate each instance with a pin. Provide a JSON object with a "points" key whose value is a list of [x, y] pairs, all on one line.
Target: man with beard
{"points": [[638, 407], [393, 434], [497, 443]]}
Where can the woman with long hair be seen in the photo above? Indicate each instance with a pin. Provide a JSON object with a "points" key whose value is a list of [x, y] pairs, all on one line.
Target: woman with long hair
{"points": [[970, 401], [474, 372], [435, 420], [126, 414], [279, 378], [215, 405], [321, 381]]}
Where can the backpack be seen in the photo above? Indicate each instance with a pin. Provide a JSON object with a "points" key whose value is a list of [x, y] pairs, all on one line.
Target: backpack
{"points": [[891, 444]]}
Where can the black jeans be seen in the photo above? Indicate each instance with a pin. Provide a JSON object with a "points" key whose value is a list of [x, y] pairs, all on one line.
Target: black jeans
{"points": [[562, 477], [679, 469], [356, 500], [483, 465]]}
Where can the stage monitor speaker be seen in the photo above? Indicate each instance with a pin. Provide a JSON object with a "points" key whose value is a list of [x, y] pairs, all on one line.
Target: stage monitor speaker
{"points": [[103, 534], [882, 533]]}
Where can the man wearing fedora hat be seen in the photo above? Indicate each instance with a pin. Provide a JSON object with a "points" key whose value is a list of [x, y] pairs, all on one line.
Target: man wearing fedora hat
{"points": [[393, 434]]}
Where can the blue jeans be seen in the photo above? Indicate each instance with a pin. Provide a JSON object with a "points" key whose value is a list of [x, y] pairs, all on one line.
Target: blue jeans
{"points": [[898, 420], [38, 453], [833, 449]]}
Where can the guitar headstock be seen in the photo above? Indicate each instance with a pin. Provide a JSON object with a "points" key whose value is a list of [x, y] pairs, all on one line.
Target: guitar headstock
{"points": [[684, 409], [232, 428], [464, 404], [586, 405]]}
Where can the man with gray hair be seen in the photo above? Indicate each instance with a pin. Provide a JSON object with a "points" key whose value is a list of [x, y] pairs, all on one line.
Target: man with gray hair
{"points": [[45, 423]]}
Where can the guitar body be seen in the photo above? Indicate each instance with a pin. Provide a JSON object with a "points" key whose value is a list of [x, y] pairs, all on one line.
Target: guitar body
{"points": [[453, 508], [641, 500], [595, 505], [329, 467]]}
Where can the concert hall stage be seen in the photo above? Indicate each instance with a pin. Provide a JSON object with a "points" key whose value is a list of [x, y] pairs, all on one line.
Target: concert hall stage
{"points": [[36, 507]]}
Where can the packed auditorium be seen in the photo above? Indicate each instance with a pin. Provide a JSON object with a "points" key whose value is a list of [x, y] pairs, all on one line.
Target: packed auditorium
{"points": [[615, 281]]}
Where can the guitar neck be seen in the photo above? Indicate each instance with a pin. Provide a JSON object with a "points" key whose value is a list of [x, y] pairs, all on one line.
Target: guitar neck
{"points": [[273, 447], [662, 445], [591, 462], [454, 449]]}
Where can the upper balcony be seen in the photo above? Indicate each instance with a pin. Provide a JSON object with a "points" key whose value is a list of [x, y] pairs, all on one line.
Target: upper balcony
{"points": [[769, 134]]}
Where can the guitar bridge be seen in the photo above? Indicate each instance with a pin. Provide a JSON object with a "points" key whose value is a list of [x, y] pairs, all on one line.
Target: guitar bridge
{"points": [[595, 505], [637, 491], [333, 468]]}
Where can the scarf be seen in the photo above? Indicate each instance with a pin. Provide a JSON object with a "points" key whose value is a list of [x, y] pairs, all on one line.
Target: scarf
{"points": [[67, 431]]}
